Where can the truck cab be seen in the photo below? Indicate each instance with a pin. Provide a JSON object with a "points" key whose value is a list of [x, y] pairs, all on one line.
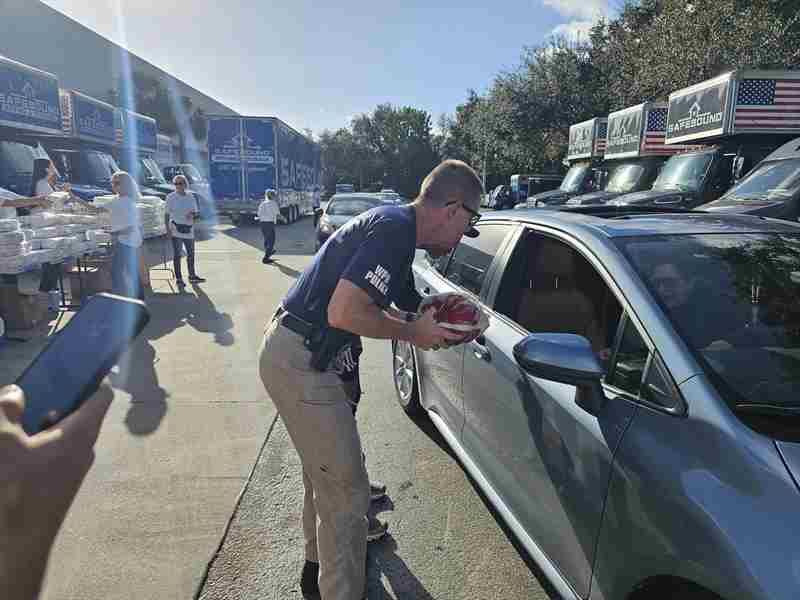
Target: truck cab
{"points": [[623, 178], [88, 171], [587, 144], [771, 189], [581, 178]]}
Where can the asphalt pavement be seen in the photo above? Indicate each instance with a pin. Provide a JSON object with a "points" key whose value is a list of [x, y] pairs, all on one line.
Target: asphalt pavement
{"points": [[196, 490]]}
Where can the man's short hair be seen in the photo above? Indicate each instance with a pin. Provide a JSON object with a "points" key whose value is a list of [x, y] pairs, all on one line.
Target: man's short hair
{"points": [[452, 180], [179, 177]]}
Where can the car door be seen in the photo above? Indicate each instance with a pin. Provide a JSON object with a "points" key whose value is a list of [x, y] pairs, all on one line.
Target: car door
{"points": [[464, 271], [546, 456]]}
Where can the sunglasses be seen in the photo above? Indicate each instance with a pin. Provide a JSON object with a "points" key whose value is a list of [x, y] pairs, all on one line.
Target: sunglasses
{"points": [[475, 215], [181, 183]]}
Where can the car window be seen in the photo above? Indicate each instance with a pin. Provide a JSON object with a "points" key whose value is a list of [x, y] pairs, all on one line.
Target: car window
{"points": [[549, 287], [630, 360], [473, 256]]}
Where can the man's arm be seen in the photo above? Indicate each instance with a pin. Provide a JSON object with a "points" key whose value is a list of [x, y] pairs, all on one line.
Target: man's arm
{"points": [[352, 309]]}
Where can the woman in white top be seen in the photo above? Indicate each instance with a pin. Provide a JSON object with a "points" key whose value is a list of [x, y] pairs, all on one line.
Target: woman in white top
{"points": [[45, 180], [127, 236]]}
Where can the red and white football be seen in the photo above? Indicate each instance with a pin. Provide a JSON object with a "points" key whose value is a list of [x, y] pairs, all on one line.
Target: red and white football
{"points": [[457, 313]]}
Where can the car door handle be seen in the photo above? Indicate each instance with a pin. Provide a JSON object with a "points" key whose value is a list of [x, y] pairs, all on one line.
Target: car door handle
{"points": [[479, 349]]}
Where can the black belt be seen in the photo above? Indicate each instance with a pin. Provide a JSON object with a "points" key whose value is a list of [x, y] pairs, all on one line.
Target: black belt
{"points": [[296, 324]]}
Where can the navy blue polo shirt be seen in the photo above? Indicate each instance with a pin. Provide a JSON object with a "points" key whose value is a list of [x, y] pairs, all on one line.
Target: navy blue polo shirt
{"points": [[373, 251]]}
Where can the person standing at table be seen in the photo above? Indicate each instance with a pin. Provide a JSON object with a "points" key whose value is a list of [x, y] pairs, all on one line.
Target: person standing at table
{"points": [[127, 235], [182, 211], [268, 212]]}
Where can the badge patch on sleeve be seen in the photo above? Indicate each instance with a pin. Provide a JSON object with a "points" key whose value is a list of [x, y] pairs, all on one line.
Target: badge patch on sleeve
{"points": [[379, 278]]}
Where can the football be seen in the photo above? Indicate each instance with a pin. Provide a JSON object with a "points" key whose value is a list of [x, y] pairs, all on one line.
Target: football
{"points": [[458, 314]]}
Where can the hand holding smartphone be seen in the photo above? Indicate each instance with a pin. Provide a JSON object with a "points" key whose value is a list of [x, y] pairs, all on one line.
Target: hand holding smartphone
{"points": [[75, 361]]}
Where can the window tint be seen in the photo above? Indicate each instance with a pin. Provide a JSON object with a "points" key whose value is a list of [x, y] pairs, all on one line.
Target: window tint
{"points": [[630, 362], [474, 255], [658, 387]]}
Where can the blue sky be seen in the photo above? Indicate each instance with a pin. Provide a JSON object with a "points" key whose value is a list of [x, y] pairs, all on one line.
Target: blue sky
{"points": [[317, 64]]}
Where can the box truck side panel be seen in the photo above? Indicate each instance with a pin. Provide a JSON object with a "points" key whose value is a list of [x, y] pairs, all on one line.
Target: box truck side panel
{"points": [[259, 158], [86, 118], [624, 133], [29, 98], [700, 111], [225, 160]]}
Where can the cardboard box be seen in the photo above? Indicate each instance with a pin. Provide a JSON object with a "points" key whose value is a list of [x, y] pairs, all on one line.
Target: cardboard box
{"points": [[20, 311], [95, 278]]}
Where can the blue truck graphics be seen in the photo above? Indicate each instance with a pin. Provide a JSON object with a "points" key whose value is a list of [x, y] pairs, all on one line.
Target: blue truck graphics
{"points": [[28, 98], [248, 155], [137, 130], [86, 118]]}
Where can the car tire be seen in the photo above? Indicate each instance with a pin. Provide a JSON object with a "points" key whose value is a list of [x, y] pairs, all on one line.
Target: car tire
{"points": [[406, 380]]}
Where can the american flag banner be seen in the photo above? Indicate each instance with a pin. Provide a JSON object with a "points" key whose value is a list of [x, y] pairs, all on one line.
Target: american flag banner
{"points": [[767, 104], [654, 134], [600, 140]]}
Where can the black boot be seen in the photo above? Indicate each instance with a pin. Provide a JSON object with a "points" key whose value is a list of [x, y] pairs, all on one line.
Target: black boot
{"points": [[309, 580]]}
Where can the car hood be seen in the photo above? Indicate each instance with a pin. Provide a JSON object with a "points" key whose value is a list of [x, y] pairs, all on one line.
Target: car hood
{"points": [[337, 220], [746, 207], [88, 192], [649, 197], [148, 191], [592, 198], [550, 197]]}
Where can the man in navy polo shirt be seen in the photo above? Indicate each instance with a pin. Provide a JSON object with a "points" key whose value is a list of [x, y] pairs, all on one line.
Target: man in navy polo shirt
{"points": [[349, 289]]}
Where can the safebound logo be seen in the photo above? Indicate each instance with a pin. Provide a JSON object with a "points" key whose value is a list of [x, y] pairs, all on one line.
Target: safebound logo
{"points": [[696, 118]]}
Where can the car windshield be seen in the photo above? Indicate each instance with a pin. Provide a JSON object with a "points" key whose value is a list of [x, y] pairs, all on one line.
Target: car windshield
{"points": [[625, 178], [99, 167], [684, 172], [152, 171], [734, 300], [350, 207], [192, 174], [573, 180], [775, 180]]}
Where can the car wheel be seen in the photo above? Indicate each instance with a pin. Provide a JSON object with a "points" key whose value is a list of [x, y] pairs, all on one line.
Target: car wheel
{"points": [[404, 374]]}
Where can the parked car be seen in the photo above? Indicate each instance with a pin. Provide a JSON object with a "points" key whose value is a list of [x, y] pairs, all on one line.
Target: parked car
{"points": [[341, 208], [633, 409], [771, 189]]}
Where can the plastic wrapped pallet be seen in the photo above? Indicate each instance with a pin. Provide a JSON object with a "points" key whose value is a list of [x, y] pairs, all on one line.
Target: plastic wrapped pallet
{"points": [[12, 237], [53, 231], [29, 234], [35, 244], [12, 265], [9, 250], [7, 225], [57, 242], [40, 220]]}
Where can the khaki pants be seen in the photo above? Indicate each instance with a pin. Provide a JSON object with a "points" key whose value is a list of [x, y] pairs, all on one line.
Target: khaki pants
{"points": [[321, 424]]}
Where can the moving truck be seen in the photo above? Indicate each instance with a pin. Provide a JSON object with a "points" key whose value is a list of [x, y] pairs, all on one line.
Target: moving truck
{"points": [[30, 110], [82, 153], [165, 151], [248, 155], [137, 137], [587, 143], [737, 118], [635, 152]]}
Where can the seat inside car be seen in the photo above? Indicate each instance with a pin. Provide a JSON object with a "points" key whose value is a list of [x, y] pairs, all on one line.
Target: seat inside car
{"points": [[551, 301]]}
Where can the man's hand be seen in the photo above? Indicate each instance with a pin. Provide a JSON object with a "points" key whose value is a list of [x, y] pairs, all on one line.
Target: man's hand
{"points": [[427, 334], [39, 478]]}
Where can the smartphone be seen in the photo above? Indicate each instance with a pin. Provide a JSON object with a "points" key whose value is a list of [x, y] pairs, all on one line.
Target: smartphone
{"points": [[72, 365]]}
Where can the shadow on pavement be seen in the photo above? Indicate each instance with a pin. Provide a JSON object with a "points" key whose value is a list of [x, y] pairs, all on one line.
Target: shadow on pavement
{"points": [[137, 369], [286, 270], [290, 240], [382, 558]]}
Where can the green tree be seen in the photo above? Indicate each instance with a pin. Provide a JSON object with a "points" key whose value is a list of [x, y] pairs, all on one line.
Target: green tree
{"points": [[401, 137]]}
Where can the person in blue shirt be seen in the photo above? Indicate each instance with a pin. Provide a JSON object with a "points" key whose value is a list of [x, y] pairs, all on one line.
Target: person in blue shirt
{"points": [[309, 358]]}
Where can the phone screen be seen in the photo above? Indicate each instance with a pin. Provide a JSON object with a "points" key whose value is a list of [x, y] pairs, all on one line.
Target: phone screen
{"points": [[72, 365]]}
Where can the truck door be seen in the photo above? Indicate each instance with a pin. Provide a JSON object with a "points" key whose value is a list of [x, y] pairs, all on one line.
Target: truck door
{"points": [[225, 160], [259, 158]]}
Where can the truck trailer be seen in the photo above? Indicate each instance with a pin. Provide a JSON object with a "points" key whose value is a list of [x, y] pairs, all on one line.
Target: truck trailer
{"points": [[587, 144], [635, 152], [249, 155], [734, 121]]}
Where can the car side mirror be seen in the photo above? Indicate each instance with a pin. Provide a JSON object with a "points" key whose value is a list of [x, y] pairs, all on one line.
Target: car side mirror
{"points": [[318, 212], [564, 358]]}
